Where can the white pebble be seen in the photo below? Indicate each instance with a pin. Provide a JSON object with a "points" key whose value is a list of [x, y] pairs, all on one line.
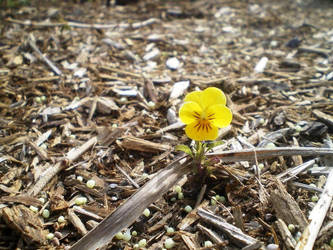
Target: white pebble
{"points": [[208, 243], [46, 213], [91, 184], [261, 65], [169, 243], [33, 209], [188, 208], [81, 201], [119, 236], [50, 236], [178, 189], [173, 63], [272, 247], [142, 243], [146, 212], [61, 219], [178, 89], [127, 235]]}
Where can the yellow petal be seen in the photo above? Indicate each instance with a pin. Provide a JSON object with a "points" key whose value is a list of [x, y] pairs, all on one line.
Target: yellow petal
{"points": [[219, 115], [200, 134], [211, 96], [194, 96], [189, 112]]}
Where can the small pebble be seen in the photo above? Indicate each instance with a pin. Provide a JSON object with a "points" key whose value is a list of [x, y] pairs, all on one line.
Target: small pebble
{"points": [[33, 209], [173, 63], [221, 199], [291, 228], [261, 166], [79, 178], [113, 185], [261, 65], [298, 128], [178, 189], [314, 198], [270, 145], [119, 236], [50, 236], [272, 247], [136, 246], [134, 233], [91, 184], [170, 230], [142, 243], [81, 201], [42, 200], [298, 236], [145, 175], [146, 212], [213, 201], [61, 219], [38, 99], [208, 243], [188, 209], [46, 213], [169, 243], [127, 235], [151, 104], [179, 89], [58, 234]]}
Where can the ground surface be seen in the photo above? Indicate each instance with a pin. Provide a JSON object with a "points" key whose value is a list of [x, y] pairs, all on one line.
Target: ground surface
{"points": [[86, 74]]}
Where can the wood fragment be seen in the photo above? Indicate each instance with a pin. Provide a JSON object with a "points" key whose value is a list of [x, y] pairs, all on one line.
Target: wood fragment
{"points": [[265, 153], [33, 45], [286, 236], [234, 233], [215, 237], [325, 118], [317, 216], [286, 207], [143, 145], [23, 199], [53, 170], [77, 223], [26, 222]]}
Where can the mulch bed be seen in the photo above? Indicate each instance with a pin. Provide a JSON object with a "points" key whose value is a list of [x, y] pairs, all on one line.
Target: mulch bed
{"points": [[90, 92]]}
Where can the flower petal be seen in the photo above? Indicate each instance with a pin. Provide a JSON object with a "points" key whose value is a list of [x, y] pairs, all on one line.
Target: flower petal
{"points": [[190, 112], [209, 133], [194, 96], [220, 115], [211, 96]]}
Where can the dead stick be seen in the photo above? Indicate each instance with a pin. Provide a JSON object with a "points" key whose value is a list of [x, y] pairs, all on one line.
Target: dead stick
{"points": [[54, 170], [317, 216], [33, 45], [264, 153]]}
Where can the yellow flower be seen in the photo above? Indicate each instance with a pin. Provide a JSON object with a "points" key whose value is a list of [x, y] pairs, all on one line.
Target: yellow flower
{"points": [[203, 113]]}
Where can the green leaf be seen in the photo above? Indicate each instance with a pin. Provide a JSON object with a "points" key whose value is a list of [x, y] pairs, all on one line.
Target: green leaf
{"points": [[212, 145], [186, 149]]}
